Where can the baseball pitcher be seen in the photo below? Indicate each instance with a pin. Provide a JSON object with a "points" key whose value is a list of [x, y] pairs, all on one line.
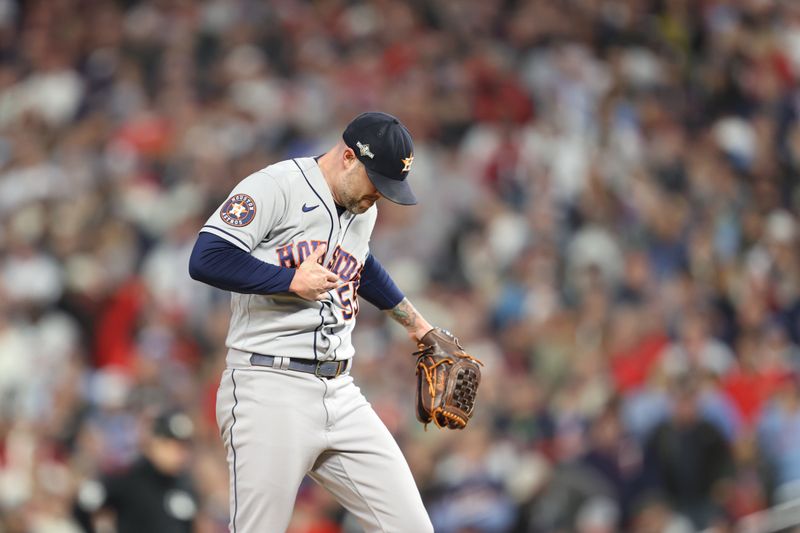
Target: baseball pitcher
{"points": [[291, 243]]}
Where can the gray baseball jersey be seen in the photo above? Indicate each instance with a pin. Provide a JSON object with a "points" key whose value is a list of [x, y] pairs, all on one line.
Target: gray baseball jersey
{"points": [[279, 215]]}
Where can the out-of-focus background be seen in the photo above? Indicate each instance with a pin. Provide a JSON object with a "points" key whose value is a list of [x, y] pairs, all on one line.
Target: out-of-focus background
{"points": [[608, 218]]}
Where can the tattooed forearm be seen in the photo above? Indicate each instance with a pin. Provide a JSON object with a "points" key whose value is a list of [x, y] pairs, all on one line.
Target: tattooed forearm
{"points": [[405, 314]]}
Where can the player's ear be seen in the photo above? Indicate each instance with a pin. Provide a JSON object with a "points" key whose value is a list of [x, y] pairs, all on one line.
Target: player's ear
{"points": [[349, 157]]}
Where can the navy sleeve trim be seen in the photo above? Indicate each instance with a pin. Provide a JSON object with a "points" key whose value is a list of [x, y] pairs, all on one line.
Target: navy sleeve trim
{"points": [[377, 287], [231, 235]]}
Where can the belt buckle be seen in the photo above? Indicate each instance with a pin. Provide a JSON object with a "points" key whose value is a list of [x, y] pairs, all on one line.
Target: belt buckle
{"points": [[318, 367]]}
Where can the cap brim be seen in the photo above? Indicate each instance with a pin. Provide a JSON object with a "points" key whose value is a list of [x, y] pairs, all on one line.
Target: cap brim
{"points": [[395, 191]]}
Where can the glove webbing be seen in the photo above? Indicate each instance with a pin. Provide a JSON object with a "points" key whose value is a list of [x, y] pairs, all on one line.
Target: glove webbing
{"points": [[432, 379]]}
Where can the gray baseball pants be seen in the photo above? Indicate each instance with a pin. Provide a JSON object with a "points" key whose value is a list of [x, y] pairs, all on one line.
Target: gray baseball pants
{"points": [[279, 425]]}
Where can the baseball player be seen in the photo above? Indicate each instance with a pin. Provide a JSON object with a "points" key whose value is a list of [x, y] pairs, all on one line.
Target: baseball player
{"points": [[292, 245]]}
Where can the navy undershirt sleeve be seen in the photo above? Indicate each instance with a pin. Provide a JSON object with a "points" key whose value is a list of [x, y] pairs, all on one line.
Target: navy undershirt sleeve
{"points": [[377, 287], [221, 264]]}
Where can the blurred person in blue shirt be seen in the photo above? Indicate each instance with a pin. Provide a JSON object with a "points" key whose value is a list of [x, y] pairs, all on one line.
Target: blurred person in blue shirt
{"points": [[778, 438]]}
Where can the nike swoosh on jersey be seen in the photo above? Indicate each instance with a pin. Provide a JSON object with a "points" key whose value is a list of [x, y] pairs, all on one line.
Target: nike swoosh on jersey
{"points": [[306, 209]]}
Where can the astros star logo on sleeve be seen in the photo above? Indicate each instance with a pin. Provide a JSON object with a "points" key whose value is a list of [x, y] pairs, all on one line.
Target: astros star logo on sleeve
{"points": [[238, 211]]}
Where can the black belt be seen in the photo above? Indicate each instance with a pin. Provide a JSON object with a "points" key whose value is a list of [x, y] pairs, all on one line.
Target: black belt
{"points": [[321, 369]]}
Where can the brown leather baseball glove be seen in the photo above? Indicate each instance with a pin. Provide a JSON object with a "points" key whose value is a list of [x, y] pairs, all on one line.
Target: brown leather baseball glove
{"points": [[447, 380]]}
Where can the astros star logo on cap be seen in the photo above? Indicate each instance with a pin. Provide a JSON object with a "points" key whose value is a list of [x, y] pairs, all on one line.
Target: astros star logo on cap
{"points": [[407, 162]]}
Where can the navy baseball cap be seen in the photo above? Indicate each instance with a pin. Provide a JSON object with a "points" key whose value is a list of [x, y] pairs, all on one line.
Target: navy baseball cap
{"points": [[385, 147]]}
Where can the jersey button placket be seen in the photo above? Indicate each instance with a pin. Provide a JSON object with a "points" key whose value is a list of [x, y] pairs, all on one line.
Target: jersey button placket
{"points": [[327, 331]]}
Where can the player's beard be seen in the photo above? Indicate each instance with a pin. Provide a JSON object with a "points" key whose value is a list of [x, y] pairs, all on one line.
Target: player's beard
{"points": [[350, 196]]}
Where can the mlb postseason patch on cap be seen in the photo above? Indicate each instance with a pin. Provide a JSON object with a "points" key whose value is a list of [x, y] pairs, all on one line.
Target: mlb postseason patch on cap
{"points": [[238, 211]]}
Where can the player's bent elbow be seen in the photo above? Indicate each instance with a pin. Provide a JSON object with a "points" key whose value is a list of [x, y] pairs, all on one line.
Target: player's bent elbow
{"points": [[195, 272], [197, 269]]}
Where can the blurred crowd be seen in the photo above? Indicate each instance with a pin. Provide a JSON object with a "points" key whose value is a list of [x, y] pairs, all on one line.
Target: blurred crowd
{"points": [[608, 218]]}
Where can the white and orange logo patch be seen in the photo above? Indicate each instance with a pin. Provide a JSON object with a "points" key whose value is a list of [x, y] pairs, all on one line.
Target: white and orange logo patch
{"points": [[238, 211], [407, 162]]}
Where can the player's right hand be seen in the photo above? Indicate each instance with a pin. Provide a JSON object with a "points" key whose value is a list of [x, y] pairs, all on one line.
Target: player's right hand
{"points": [[312, 281]]}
